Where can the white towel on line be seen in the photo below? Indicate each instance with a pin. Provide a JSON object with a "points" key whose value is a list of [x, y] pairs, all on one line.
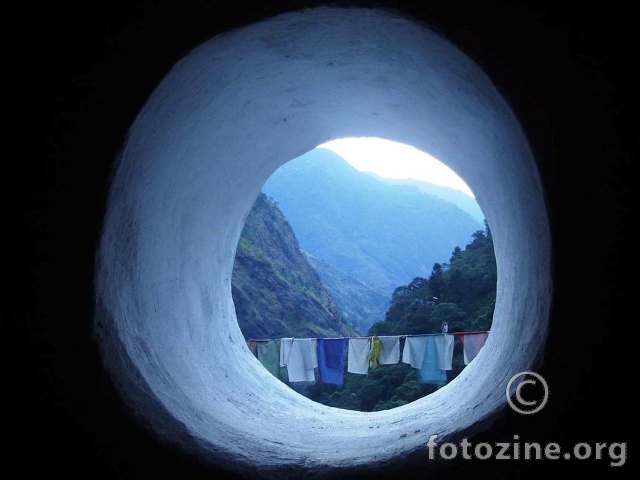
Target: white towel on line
{"points": [[444, 351], [358, 356], [300, 358], [390, 353], [414, 349]]}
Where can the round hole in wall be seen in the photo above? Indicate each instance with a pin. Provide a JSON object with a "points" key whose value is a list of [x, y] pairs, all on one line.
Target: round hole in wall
{"points": [[340, 233], [222, 120]]}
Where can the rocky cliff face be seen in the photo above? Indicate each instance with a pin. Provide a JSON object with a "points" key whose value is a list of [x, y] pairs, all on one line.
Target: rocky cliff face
{"points": [[276, 291]]}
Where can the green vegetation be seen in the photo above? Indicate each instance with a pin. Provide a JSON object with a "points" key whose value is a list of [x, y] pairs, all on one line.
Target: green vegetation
{"points": [[461, 293], [275, 290]]}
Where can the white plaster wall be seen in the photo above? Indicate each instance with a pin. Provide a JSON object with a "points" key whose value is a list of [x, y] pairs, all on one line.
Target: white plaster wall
{"points": [[225, 118]]}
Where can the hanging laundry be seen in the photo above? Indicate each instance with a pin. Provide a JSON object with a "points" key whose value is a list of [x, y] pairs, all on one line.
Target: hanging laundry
{"points": [[301, 359], [444, 351], [430, 373], [390, 353], [269, 356], [285, 349], [374, 354], [413, 352], [331, 360], [310, 352], [472, 344], [252, 347], [358, 356]]}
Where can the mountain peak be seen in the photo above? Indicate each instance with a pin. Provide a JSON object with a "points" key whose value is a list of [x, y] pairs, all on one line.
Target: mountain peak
{"points": [[358, 227]]}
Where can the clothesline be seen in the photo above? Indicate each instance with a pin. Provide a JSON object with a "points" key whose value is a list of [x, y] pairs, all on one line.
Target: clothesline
{"points": [[431, 354], [371, 336]]}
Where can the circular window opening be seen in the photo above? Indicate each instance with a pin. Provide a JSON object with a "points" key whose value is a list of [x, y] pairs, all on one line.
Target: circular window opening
{"points": [[218, 125], [374, 261]]}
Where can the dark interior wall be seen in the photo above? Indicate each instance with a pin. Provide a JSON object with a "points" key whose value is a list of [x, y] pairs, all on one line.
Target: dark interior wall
{"points": [[565, 71]]}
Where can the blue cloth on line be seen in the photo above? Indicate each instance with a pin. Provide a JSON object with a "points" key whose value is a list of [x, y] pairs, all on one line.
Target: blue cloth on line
{"points": [[430, 373], [331, 360]]}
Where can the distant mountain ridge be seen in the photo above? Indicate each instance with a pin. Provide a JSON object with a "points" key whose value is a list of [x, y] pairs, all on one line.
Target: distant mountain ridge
{"points": [[364, 236], [275, 290], [461, 199]]}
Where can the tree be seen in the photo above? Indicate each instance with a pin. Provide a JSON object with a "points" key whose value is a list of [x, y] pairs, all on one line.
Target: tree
{"points": [[462, 294], [450, 313], [436, 283], [455, 254]]}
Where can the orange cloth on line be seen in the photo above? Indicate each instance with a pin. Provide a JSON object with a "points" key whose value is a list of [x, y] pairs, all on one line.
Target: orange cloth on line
{"points": [[253, 346]]}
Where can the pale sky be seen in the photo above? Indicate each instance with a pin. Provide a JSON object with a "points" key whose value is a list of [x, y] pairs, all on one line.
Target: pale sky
{"points": [[395, 160]]}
